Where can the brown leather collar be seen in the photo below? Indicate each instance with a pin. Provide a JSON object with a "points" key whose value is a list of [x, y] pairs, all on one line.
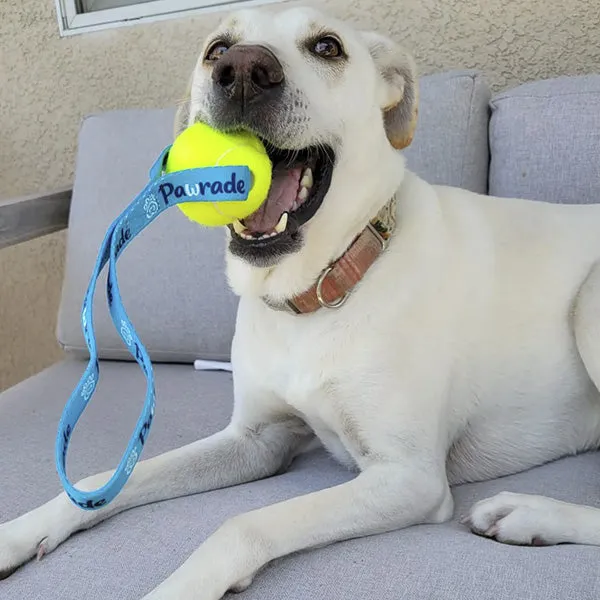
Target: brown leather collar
{"points": [[335, 283]]}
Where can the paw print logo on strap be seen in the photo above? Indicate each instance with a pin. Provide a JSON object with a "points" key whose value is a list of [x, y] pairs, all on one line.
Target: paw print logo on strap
{"points": [[126, 333], [88, 387], [150, 206], [131, 460]]}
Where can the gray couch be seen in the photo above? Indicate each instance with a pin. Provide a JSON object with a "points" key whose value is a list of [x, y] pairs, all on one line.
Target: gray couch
{"points": [[539, 141]]}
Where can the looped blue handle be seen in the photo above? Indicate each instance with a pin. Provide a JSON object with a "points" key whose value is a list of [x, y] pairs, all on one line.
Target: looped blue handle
{"points": [[211, 184]]}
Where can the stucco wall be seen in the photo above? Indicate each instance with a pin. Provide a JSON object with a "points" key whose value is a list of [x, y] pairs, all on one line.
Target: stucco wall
{"points": [[47, 84]]}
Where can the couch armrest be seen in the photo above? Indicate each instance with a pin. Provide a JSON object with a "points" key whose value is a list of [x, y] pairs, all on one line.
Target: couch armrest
{"points": [[29, 217]]}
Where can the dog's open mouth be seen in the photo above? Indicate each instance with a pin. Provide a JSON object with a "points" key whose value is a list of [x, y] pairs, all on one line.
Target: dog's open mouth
{"points": [[301, 179]]}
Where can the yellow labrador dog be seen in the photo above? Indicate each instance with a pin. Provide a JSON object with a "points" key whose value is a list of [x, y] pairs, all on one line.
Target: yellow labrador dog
{"points": [[425, 335]]}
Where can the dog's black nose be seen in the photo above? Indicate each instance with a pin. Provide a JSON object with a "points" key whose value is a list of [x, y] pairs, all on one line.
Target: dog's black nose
{"points": [[248, 73]]}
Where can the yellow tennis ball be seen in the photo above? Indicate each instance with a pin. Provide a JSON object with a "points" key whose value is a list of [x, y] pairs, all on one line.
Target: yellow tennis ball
{"points": [[202, 146]]}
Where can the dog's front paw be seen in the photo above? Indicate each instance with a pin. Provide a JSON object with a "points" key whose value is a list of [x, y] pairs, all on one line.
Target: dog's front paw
{"points": [[19, 543], [521, 519]]}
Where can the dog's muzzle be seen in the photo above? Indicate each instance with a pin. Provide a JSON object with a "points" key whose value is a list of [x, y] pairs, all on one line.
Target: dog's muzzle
{"points": [[249, 93]]}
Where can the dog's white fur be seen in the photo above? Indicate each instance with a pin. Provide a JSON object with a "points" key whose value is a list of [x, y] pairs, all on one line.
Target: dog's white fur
{"points": [[469, 351]]}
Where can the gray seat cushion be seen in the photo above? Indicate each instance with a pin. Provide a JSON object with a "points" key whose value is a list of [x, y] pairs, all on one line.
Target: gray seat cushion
{"points": [[123, 558], [545, 141], [172, 278]]}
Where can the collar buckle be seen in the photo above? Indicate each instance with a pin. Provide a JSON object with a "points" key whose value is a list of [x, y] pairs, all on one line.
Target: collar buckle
{"points": [[383, 241]]}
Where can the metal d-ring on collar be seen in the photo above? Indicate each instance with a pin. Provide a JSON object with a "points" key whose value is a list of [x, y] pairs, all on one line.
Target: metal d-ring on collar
{"points": [[342, 299], [339, 302]]}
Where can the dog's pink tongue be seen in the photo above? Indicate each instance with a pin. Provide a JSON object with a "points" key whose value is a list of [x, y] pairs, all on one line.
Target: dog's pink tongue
{"points": [[283, 192]]}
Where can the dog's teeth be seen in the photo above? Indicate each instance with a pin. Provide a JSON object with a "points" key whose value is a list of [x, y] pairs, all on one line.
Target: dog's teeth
{"points": [[307, 180], [303, 194], [239, 227], [282, 225], [245, 236]]}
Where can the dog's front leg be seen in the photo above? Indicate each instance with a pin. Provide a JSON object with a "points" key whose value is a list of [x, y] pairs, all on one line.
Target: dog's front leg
{"points": [[252, 447], [384, 497]]}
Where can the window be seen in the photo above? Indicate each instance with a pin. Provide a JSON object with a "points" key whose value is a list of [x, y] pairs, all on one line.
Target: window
{"points": [[78, 16]]}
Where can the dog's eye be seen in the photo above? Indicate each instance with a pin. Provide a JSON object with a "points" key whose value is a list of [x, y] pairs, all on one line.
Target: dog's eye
{"points": [[215, 51], [328, 47]]}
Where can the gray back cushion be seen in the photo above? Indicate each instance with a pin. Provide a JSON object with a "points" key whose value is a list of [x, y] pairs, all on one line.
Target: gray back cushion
{"points": [[545, 141], [172, 277], [451, 141]]}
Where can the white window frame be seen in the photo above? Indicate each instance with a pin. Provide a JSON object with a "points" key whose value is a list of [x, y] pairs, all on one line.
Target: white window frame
{"points": [[72, 23]]}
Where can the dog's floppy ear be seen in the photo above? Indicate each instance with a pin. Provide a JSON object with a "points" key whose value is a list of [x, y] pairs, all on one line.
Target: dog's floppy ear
{"points": [[182, 115], [398, 90]]}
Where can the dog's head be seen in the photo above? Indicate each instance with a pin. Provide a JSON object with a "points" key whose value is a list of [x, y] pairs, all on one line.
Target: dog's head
{"points": [[331, 104]]}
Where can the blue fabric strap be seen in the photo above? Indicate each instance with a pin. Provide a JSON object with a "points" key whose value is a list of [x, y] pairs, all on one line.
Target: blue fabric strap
{"points": [[212, 184]]}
